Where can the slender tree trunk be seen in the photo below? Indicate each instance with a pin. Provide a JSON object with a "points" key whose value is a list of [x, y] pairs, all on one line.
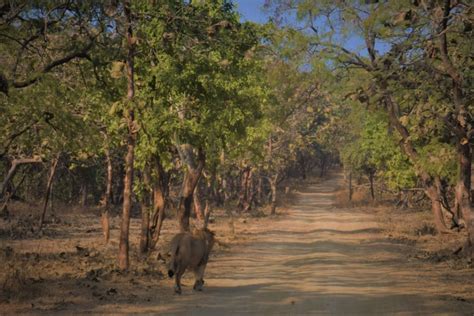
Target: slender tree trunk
{"points": [[123, 258], [226, 188], [105, 220], [433, 191], [198, 209], [84, 192], [51, 199], [250, 192], [145, 225], [351, 191], [11, 173], [371, 181], [160, 185], [302, 164], [4, 209], [207, 213], [244, 182], [13, 169], [273, 186], [259, 190], [463, 190], [460, 128], [213, 192], [159, 216], [191, 178], [52, 171], [323, 167]]}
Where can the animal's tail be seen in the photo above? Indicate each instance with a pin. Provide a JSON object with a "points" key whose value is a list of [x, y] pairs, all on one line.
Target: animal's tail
{"points": [[172, 267]]}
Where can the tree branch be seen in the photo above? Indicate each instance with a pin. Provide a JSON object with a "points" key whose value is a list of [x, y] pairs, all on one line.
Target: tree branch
{"points": [[80, 54]]}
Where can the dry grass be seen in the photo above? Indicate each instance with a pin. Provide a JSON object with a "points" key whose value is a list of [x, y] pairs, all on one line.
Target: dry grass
{"points": [[414, 227], [360, 197]]}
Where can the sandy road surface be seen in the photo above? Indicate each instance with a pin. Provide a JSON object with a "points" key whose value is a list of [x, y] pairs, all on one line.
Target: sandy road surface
{"points": [[317, 260]]}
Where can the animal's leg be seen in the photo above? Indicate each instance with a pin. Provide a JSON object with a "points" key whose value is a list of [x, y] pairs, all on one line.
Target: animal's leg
{"points": [[199, 274], [179, 274]]}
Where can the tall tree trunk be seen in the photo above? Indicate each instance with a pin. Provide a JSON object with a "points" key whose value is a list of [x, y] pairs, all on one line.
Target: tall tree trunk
{"points": [[259, 192], [84, 192], [371, 181], [144, 233], [302, 164], [123, 259], [351, 191], [145, 208], [52, 171], [198, 209], [463, 190], [323, 166], [105, 220], [273, 186], [159, 216], [433, 191], [458, 125], [244, 181], [250, 192], [207, 213], [160, 189], [191, 178], [225, 188]]}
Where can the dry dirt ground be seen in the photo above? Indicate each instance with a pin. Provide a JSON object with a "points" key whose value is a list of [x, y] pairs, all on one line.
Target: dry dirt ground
{"points": [[314, 258]]}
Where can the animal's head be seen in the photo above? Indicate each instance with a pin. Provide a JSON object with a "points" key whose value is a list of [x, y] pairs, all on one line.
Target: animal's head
{"points": [[207, 235]]}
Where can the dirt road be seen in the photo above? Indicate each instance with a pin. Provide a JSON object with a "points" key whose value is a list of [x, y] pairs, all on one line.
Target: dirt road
{"points": [[314, 259], [317, 260]]}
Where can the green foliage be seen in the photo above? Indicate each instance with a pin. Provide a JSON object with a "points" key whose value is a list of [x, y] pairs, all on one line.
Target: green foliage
{"points": [[373, 149]]}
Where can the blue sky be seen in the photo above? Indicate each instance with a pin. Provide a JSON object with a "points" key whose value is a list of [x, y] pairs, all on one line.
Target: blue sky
{"points": [[251, 10]]}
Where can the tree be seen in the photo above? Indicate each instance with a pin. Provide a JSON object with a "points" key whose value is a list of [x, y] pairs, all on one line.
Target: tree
{"points": [[392, 35]]}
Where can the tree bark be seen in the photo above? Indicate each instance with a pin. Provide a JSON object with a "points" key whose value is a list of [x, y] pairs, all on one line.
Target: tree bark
{"points": [[433, 191], [371, 181], [152, 222], [463, 190], [351, 190], [259, 190], [250, 192], [159, 215], [52, 171], [123, 258], [323, 166], [4, 208], [207, 214], [460, 128], [225, 189], [84, 192], [13, 169], [273, 186], [244, 182], [302, 164], [198, 210], [191, 178], [159, 204], [145, 225], [105, 221]]}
